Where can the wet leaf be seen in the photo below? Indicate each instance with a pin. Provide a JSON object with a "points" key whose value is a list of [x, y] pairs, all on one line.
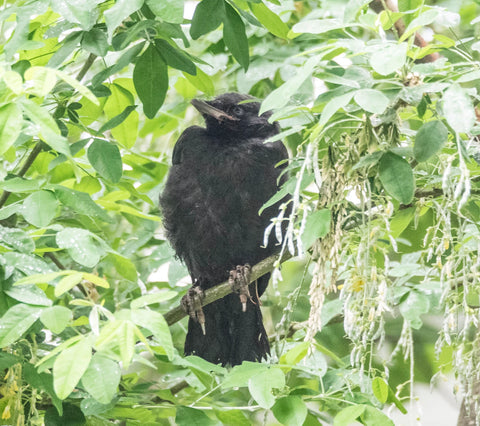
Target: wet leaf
{"points": [[397, 178]]}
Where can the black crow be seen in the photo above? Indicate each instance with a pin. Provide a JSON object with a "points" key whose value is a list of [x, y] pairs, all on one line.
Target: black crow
{"points": [[220, 178]]}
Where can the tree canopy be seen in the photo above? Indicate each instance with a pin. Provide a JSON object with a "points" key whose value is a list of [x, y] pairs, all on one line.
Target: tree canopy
{"points": [[376, 286]]}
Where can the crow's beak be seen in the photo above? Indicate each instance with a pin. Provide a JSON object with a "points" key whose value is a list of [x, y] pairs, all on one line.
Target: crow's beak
{"points": [[205, 108]]}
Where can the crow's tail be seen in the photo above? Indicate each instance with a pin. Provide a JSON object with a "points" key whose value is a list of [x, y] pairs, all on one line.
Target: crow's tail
{"points": [[231, 336]]}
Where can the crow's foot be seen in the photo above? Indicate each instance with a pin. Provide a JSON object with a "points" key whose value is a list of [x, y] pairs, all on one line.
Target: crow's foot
{"points": [[239, 280], [192, 305]]}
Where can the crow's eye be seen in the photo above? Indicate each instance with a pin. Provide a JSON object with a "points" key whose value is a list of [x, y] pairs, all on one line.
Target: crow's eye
{"points": [[237, 110]]}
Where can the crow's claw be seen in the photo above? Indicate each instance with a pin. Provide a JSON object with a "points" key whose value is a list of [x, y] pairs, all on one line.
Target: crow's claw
{"points": [[192, 305], [239, 280]]}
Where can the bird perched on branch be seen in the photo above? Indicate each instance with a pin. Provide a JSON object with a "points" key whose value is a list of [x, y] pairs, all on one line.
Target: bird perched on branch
{"points": [[220, 178]]}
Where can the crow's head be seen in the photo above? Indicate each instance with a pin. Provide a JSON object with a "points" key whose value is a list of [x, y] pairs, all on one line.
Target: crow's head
{"points": [[235, 114]]}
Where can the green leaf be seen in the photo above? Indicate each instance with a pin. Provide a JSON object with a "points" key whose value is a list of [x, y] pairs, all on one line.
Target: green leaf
{"points": [[458, 109], [401, 220], [371, 100], [41, 381], [280, 96], [40, 208], [290, 410], [469, 76], [118, 119], [72, 11], [79, 87], [18, 239], [348, 415], [239, 375], [270, 20], [317, 226], [150, 78], [234, 36], [29, 294], [167, 10], [18, 184], [106, 159], [64, 414], [175, 58], [408, 5], [118, 338], [124, 60], [26, 263], [415, 305], [67, 283], [6, 212], [68, 45], [208, 16], [102, 378], [202, 82], [152, 298], [13, 80], [422, 107], [69, 367], [20, 36], [294, 355], [352, 8], [380, 389], [197, 364], [154, 322], [118, 12], [49, 130], [389, 58], [10, 125], [423, 19], [126, 132], [81, 246], [56, 318], [232, 418], [429, 140], [374, 417], [397, 178], [95, 279], [7, 360], [95, 41], [16, 321], [333, 106], [316, 26], [261, 385], [187, 416], [80, 202], [118, 207], [41, 278], [41, 80], [368, 160], [124, 266]]}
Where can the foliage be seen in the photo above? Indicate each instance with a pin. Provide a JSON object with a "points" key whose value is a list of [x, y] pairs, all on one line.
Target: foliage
{"points": [[385, 207]]}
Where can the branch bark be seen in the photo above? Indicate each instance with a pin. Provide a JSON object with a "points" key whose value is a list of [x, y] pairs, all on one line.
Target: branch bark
{"points": [[223, 289]]}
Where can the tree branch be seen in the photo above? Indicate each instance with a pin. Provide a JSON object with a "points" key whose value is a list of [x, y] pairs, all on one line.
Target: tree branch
{"points": [[223, 289]]}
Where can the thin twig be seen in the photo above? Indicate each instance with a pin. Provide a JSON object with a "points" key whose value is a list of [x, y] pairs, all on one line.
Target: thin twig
{"points": [[55, 260]]}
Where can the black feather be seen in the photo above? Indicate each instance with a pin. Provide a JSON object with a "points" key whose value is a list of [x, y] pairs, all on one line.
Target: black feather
{"points": [[220, 178]]}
